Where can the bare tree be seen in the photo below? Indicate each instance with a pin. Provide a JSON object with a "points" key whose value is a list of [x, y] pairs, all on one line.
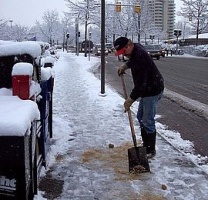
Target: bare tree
{"points": [[196, 11], [12, 32], [49, 26], [85, 11], [147, 25], [3, 29], [129, 23], [184, 26], [3, 23], [20, 32], [67, 28], [124, 23]]}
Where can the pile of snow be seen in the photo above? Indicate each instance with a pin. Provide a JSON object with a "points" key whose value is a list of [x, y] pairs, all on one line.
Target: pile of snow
{"points": [[19, 48], [16, 115]]}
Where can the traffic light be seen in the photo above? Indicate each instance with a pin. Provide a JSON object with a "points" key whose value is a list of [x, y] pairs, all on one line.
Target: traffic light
{"points": [[78, 34], [190, 17], [118, 7], [137, 8], [177, 32], [67, 35]]}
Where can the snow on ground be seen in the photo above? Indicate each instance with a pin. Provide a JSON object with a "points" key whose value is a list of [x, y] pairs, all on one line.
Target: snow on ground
{"points": [[85, 123]]}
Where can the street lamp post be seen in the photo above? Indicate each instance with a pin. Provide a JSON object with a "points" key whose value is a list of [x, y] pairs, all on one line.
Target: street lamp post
{"points": [[102, 47], [137, 10], [86, 24], [177, 33], [89, 44], [11, 21], [138, 27], [63, 40], [152, 37], [77, 35], [67, 38]]}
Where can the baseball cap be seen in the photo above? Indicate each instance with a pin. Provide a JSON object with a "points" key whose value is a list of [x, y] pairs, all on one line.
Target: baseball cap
{"points": [[120, 45]]}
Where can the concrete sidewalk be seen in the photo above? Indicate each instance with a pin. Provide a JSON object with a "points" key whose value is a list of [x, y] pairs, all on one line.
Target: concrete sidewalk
{"points": [[88, 169]]}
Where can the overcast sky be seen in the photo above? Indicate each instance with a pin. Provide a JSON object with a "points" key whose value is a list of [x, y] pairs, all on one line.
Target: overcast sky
{"points": [[26, 12]]}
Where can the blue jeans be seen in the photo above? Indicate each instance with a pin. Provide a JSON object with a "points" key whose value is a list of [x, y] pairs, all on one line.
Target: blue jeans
{"points": [[147, 111]]}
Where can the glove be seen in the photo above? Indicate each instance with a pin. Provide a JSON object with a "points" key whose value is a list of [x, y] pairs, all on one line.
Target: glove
{"points": [[121, 70], [128, 103]]}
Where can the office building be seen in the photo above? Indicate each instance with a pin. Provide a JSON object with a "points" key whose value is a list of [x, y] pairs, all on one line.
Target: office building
{"points": [[163, 13]]}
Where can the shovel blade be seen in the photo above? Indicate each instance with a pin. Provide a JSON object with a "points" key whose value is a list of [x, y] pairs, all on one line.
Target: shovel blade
{"points": [[138, 161]]}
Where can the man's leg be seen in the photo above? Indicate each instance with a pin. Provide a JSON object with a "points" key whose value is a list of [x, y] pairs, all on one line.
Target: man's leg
{"points": [[148, 121], [140, 112], [139, 117]]}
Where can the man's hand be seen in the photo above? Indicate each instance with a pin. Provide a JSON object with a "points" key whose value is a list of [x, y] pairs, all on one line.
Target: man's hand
{"points": [[122, 69], [128, 103]]}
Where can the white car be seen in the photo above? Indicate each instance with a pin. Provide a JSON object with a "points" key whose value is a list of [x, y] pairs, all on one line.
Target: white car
{"points": [[97, 50], [123, 58]]}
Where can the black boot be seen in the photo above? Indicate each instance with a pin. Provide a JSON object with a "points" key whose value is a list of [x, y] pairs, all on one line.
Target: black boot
{"points": [[144, 137], [151, 140]]}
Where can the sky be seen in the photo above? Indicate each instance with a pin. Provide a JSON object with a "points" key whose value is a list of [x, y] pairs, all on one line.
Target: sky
{"points": [[86, 122], [26, 12]]}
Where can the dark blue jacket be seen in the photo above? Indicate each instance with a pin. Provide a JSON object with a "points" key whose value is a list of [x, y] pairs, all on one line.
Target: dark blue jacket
{"points": [[146, 77]]}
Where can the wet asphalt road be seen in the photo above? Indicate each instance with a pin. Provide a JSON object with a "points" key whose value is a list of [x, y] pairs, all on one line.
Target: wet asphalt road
{"points": [[185, 76]]}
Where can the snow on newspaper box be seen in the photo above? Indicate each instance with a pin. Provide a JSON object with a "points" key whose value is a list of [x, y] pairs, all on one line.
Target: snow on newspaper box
{"points": [[23, 130]]}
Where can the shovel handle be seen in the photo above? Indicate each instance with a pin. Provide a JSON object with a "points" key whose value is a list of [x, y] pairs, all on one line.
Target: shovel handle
{"points": [[129, 113]]}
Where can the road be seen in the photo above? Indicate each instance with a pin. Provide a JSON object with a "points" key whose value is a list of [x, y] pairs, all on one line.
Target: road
{"points": [[186, 80]]}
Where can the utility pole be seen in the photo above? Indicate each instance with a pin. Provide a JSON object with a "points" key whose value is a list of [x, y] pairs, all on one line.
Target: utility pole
{"points": [[137, 10], [102, 47], [67, 38], [11, 21], [86, 23], [177, 33], [77, 33], [63, 39], [89, 40]]}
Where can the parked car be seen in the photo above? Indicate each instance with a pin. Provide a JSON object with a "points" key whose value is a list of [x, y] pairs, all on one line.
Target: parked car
{"points": [[89, 46], [162, 50], [205, 51], [97, 50], [155, 51], [109, 47], [201, 50]]}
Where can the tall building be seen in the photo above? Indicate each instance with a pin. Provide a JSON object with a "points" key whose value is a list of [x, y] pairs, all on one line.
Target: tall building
{"points": [[163, 13]]}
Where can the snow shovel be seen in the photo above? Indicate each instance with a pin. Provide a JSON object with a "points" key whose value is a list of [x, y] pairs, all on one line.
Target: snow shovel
{"points": [[137, 156]]}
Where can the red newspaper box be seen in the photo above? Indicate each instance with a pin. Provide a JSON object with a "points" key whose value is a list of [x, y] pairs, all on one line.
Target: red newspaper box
{"points": [[21, 80], [21, 86]]}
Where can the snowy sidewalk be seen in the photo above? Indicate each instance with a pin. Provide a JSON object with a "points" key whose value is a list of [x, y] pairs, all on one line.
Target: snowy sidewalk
{"points": [[86, 123]]}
